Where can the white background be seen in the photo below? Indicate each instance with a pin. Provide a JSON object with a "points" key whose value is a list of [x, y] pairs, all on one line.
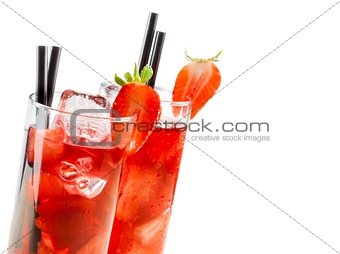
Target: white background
{"points": [[295, 89]]}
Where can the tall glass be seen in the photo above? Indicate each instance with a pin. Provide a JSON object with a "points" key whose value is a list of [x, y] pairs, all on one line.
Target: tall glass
{"points": [[68, 185], [148, 182]]}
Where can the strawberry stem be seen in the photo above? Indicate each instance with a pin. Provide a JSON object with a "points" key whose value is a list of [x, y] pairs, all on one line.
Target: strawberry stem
{"points": [[200, 60], [143, 77]]}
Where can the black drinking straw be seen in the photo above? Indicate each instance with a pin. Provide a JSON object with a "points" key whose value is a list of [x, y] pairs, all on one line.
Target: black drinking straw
{"points": [[41, 84], [52, 73], [147, 42], [156, 56]]}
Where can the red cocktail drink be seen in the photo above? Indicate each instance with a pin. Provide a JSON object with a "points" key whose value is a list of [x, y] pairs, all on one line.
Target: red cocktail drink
{"points": [[148, 182], [147, 188], [68, 190], [146, 194]]}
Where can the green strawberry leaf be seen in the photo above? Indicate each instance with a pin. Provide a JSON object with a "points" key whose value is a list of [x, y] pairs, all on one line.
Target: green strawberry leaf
{"points": [[146, 74], [119, 80], [136, 76], [128, 77]]}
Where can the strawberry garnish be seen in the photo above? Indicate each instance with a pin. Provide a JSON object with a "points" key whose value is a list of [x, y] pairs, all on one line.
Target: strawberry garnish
{"points": [[137, 98], [197, 81]]}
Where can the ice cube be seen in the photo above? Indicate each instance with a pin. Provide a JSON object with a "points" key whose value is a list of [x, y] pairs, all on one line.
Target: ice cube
{"points": [[86, 186], [109, 91], [153, 231], [78, 180], [71, 101], [67, 171], [85, 164], [88, 111]]}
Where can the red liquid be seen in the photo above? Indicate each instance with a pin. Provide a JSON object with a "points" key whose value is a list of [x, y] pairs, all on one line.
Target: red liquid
{"points": [[146, 194], [67, 197]]}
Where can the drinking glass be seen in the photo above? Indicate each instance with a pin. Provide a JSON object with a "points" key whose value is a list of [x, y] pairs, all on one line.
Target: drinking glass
{"points": [[148, 182], [69, 179]]}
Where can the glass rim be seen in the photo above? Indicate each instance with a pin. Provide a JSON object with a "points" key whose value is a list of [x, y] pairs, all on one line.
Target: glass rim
{"points": [[173, 103], [112, 119]]}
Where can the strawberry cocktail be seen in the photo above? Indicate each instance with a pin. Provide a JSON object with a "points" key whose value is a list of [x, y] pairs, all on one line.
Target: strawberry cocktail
{"points": [[149, 177], [144, 206], [69, 183]]}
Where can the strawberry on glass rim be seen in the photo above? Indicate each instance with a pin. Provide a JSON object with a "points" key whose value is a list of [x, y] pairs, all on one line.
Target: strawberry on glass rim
{"points": [[197, 81], [137, 98]]}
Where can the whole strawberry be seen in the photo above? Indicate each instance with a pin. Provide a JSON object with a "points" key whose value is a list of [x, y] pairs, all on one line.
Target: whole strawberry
{"points": [[137, 98]]}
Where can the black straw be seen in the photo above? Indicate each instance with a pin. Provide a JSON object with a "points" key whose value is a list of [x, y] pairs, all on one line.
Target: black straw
{"points": [[52, 73], [41, 75], [147, 42], [156, 56]]}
